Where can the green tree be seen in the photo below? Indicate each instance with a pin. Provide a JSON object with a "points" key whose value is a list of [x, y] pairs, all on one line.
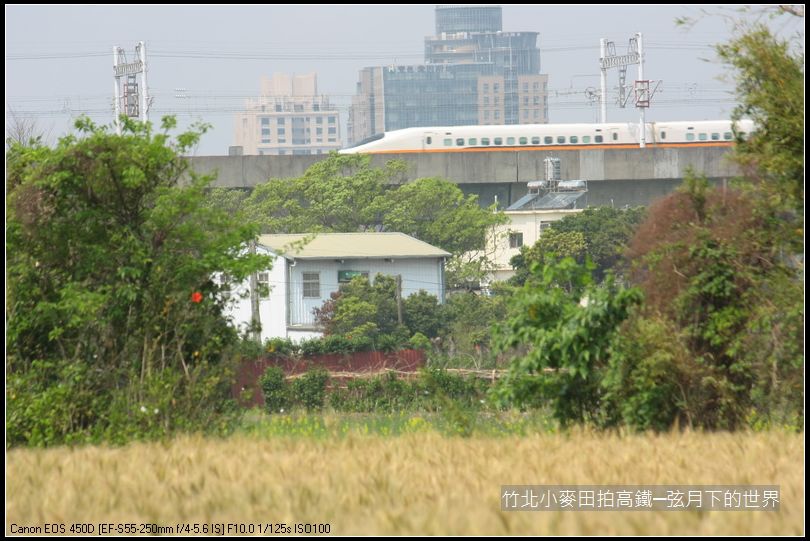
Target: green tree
{"points": [[770, 87], [599, 233], [106, 256], [342, 193], [563, 338], [362, 309]]}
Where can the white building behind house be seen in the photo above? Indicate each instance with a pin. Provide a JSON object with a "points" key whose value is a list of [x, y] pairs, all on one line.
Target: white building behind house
{"points": [[306, 272], [524, 228]]}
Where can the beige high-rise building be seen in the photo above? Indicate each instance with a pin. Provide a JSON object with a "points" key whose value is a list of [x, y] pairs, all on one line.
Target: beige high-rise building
{"points": [[289, 117]]}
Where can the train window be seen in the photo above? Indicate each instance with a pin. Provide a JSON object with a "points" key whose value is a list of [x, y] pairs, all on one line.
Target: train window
{"points": [[429, 140], [598, 138], [573, 139], [615, 136], [498, 141], [715, 136], [448, 142], [510, 140], [690, 136], [472, 141], [586, 138], [548, 139], [663, 135], [524, 140], [742, 134], [460, 142], [561, 139], [703, 136], [727, 136], [485, 140]]}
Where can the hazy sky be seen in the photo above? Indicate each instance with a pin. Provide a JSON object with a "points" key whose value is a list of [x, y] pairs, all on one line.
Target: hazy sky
{"points": [[59, 59]]}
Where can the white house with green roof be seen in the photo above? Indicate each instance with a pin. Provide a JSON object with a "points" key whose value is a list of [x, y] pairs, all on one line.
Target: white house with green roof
{"points": [[308, 268]]}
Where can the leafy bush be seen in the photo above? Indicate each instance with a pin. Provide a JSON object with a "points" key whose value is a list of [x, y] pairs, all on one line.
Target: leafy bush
{"points": [[310, 389], [275, 390]]}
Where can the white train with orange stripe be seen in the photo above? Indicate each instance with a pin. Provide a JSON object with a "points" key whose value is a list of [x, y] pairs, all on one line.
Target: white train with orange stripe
{"points": [[551, 137]]}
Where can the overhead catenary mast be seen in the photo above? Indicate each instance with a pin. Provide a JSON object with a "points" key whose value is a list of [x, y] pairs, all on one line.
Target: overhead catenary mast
{"points": [[131, 97]]}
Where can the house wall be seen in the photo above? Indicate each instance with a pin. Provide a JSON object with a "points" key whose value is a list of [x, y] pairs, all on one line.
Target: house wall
{"points": [[417, 273], [296, 321]]}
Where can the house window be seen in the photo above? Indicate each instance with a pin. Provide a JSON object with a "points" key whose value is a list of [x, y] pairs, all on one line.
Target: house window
{"points": [[263, 283], [515, 240], [312, 285]]}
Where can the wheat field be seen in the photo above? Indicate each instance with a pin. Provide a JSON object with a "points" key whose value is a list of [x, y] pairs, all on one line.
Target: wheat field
{"points": [[417, 483]]}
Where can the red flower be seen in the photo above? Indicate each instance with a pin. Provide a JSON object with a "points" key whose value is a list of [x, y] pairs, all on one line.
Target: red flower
{"points": [[196, 297]]}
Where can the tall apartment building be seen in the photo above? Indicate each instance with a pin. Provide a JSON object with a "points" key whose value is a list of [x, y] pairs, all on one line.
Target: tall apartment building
{"points": [[474, 73], [289, 117]]}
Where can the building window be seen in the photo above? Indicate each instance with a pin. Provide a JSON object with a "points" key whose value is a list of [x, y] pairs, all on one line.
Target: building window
{"points": [[525, 87], [312, 285], [265, 131], [536, 87], [496, 87], [497, 115], [486, 88], [486, 115], [265, 121], [525, 100], [544, 226], [486, 100], [331, 120], [331, 140], [536, 100], [497, 100], [319, 120], [515, 240], [280, 121], [263, 283], [318, 131], [281, 131], [265, 141], [332, 130]]}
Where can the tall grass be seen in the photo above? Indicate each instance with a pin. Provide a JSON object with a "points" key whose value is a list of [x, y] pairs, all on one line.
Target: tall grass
{"points": [[418, 483]]}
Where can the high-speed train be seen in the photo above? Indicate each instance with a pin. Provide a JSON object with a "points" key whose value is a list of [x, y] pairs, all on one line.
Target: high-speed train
{"points": [[551, 137]]}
